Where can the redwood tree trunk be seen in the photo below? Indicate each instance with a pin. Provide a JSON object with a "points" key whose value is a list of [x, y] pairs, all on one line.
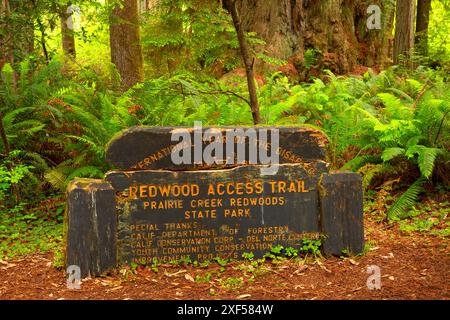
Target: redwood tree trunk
{"points": [[404, 30], [6, 38], [279, 23], [423, 20], [374, 46], [335, 29], [67, 35], [125, 43]]}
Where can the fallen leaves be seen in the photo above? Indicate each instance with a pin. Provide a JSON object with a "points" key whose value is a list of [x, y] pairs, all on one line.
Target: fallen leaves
{"points": [[175, 273], [300, 270], [353, 262], [7, 265], [116, 288], [188, 277]]}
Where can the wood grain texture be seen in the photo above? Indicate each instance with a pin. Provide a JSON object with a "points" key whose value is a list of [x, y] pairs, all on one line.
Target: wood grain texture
{"points": [[296, 213], [90, 226], [141, 148], [341, 213]]}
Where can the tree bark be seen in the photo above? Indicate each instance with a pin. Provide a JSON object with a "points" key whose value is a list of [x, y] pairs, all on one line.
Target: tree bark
{"points": [[3, 136], [423, 20], [67, 34], [374, 46], [125, 43], [335, 29], [404, 30], [6, 39], [248, 60], [278, 23]]}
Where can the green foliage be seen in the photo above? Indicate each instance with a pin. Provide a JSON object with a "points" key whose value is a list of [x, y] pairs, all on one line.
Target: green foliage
{"points": [[428, 218], [222, 262], [275, 253], [10, 178], [248, 256], [370, 171], [232, 283], [291, 252], [31, 230], [202, 30], [310, 57], [406, 200], [311, 246], [387, 121], [60, 113], [308, 246], [438, 39], [183, 99], [203, 279]]}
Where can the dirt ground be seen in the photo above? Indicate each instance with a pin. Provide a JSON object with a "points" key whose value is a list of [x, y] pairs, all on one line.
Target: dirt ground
{"points": [[412, 267]]}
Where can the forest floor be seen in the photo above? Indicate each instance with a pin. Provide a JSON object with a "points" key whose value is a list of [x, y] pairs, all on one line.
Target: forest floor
{"points": [[413, 265]]}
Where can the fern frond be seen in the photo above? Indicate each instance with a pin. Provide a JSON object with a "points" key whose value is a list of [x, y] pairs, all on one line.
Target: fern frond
{"points": [[402, 94], [370, 117], [84, 172], [10, 117], [396, 107], [369, 171], [427, 159], [407, 199], [359, 161], [415, 85], [99, 150], [391, 153], [56, 177], [37, 161]]}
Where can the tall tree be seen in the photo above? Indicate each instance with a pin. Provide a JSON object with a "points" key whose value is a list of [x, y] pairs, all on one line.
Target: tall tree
{"points": [[67, 33], [6, 37], [374, 45], [17, 30], [423, 20], [247, 58], [337, 29], [125, 43], [404, 29], [279, 23]]}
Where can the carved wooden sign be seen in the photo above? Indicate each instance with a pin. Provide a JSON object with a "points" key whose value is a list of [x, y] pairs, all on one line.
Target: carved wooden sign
{"points": [[204, 193]]}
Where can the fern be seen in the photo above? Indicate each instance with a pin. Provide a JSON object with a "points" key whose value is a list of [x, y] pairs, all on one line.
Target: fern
{"points": [[406, 200], [391, 153], [395, 107], [84, 172], [415, 85], [94, 147], [427, 159], [370, 171], [56, 178], [360, 161]]}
